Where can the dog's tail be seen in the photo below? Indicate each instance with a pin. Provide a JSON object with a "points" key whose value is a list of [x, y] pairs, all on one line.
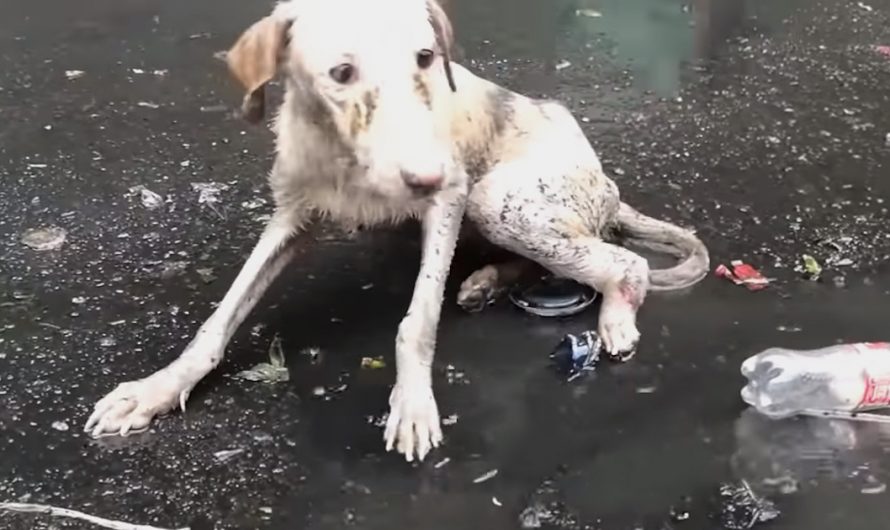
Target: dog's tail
{"points": [[667, 238]]}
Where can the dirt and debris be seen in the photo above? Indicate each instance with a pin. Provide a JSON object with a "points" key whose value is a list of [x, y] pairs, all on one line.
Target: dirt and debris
{"points": [[577, 354], [149, 199], [810, 267], [274, 371], [45, 239], [743, 274], [485, 477], [227, 454], [741, 509], [373, 363]]}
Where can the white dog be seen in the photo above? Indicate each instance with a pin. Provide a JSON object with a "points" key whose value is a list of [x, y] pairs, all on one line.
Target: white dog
{"points": [[378, 125]]}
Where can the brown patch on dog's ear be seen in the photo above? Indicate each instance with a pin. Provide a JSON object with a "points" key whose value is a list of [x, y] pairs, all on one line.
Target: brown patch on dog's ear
{"points": [[253, 61], [444, 36]]}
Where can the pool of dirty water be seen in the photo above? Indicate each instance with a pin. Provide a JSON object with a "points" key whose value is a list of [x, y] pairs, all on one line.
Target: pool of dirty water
{"points": [[761, 123]]}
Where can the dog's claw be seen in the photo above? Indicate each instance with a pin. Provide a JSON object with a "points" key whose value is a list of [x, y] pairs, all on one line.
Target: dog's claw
{"points": [[413, 426]]}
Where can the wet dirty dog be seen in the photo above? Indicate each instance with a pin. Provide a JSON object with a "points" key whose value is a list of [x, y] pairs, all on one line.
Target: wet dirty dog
{"points": [[379, 125]]}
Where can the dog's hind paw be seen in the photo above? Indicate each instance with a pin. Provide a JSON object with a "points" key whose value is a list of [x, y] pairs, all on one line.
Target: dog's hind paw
{"points": [[132, 405], [618, 329], [413, 426], [479, 290]]}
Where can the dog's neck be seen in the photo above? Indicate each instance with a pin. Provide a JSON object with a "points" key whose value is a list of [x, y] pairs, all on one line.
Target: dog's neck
{"points": [[482, 116]]}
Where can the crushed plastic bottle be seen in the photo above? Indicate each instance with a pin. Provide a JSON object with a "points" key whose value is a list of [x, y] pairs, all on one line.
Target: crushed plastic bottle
{"points": [[847, 378]]}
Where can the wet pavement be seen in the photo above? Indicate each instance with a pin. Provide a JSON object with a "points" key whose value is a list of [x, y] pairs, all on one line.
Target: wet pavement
{"points": [[761, 123]]}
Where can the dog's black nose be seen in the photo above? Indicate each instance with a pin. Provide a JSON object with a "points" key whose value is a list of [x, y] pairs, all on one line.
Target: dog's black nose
{"points": [[423, 184]]}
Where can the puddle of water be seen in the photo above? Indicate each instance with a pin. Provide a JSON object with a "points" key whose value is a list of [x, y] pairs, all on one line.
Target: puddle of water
{"points": [[655, 40]]}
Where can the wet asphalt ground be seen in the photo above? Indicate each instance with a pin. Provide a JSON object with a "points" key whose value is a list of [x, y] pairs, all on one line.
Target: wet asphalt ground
{"points": [[763, 124]]}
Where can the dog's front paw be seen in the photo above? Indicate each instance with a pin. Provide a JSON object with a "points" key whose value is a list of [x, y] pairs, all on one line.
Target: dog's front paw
{"points": [[132, 405], [413, 426], [618, 329]]}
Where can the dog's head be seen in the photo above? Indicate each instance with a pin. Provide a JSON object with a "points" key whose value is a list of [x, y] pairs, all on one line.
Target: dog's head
{"points": [[376, 72]]}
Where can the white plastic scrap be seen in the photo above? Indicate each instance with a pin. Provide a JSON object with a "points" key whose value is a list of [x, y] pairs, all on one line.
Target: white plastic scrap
{"points": [[208, 192], [53, 511], [486, 477], [42, 239], [227, 454], [272, 372], [74, 74]]}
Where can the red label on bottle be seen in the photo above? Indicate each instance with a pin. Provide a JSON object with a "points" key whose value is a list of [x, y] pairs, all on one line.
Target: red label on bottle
{"points": [[877, 392]]}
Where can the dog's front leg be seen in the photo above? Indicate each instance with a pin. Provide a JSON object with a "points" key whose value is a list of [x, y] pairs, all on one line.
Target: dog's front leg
{"points": [[413, 424], [132, 405]]}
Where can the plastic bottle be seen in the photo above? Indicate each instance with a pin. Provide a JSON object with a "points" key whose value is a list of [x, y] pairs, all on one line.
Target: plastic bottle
{"points": [[841, 378]]}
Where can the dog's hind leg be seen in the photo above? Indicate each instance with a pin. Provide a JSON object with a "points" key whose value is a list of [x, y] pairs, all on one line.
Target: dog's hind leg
{"points": [[553, 213], [132, 405]]}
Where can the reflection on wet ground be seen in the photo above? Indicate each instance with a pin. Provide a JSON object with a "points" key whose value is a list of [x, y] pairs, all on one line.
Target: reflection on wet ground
{"points": [[762, 123]]}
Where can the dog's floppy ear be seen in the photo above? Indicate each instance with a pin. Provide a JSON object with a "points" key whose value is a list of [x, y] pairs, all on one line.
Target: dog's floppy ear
{"points": [[444, 36], [253, 60]]}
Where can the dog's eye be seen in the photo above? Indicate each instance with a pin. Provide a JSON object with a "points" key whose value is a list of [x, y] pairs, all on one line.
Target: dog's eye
{"points": [[425, 58], [343, 73]]}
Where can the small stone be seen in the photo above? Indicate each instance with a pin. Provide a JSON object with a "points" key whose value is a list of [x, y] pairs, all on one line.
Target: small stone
{"points": [[60, 426]]}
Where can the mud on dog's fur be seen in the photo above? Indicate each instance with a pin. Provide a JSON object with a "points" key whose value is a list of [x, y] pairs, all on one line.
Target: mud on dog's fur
{"points": [[379, 125]]}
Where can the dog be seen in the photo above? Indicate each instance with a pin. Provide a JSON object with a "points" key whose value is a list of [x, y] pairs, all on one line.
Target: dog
{"points": [[379, 125]]}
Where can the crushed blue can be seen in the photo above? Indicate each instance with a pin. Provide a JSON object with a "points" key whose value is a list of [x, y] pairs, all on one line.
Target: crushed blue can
{"points": [[576, 354]]}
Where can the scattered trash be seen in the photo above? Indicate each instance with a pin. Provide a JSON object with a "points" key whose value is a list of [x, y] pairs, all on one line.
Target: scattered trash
{"points": [[140, 71], [150, 199], [74, 74], [455, 377], [373, 363], [742, 509], [107, 342], [839, 381], [810, 267], [315, 355], [865, 7], [576, 354], [214, 108], [486, 477], [553, 297], [496, 502], [874, 487], [319, 391], [442, 463], [590, 13], [60, 426], [208, 192], [274, 371], [887, 136], [148, 105], [883, 50], [165, 269], [546, 507], [207, 274], [53, 511], [450, 420], [43, 239], [79, 300], [743, 274], [267, 510], [646, 390], [227, 454], [254, 204], [44, 166], [680, 514], [562, 65]]}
